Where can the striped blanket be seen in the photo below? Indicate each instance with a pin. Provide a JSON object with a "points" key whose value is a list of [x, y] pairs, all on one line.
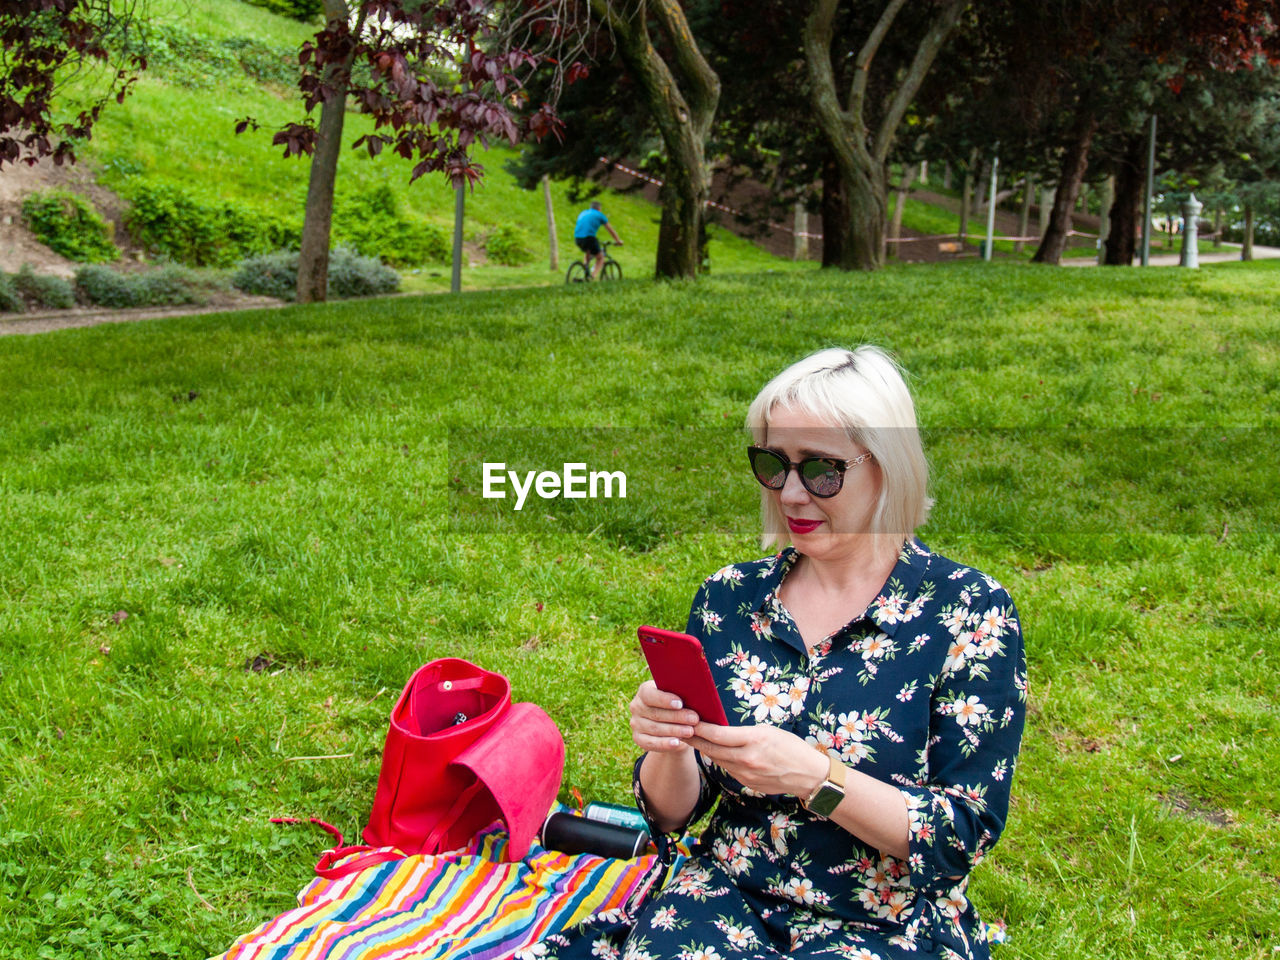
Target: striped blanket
{"points": [[465, 904]]}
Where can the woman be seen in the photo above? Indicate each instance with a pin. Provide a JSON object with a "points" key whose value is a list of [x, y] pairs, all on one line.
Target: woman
{"points": [[876, 693]]}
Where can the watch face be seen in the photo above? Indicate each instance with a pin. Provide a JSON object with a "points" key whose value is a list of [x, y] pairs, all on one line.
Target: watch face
{"points": [[827, 799]]}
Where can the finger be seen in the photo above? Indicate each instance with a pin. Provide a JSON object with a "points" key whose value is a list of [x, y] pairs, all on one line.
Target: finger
{"points": [[657, 727], [724, 736]]}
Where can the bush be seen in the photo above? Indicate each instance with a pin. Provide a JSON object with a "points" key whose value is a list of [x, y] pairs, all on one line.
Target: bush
{"points": [[171, 285], [306, 10], [10, 302], [173, 222], [201, 62], [105, 287], [509, 246], [47, 291], [372, 224], [68, 225], [350, 275]]}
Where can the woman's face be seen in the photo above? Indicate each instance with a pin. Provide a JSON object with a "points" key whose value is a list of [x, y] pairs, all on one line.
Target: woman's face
{"points": [[824, 528]]}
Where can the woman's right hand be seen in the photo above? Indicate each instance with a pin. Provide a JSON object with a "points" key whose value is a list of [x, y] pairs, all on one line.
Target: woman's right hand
{"points": [[659, 722]]}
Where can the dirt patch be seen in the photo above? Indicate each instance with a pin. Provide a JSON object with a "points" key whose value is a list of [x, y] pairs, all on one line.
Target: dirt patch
{"points": [[18, 323], [1187, 808], [18, 246]]}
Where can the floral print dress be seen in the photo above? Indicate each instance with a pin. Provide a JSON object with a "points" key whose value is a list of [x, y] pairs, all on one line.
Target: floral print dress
{"points": [[925, 690]]}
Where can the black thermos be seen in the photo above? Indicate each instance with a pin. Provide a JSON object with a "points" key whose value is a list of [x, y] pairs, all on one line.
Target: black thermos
{"points": [[569, 833]]}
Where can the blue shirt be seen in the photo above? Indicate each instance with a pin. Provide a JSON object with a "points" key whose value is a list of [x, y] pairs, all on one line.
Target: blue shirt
{"points": [[589, 221]]}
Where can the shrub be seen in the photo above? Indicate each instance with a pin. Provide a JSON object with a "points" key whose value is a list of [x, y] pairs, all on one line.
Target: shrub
{"points": [[201, 62], [68, 225], [509, 246], [169, 286], [10, 302], [306, 10], [372, 223], [47, 291], [105, 287], [168, 220], [350, 275]]}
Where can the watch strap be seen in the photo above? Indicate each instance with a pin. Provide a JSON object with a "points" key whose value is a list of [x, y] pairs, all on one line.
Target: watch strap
{"points": [[828, 794]]}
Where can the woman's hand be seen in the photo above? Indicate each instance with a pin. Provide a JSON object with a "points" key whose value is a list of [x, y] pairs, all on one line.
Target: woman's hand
{"points": [[763, 758], [659, 722]]}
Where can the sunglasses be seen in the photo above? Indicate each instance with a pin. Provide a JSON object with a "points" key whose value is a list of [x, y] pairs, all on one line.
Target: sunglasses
{"points": [[821, 476]]}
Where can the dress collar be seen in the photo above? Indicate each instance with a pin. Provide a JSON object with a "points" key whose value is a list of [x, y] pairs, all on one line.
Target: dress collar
{"points": [[891, 601]]}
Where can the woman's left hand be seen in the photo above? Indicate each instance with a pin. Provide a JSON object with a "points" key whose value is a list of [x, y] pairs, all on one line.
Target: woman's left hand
{"points": [[762, 757]]}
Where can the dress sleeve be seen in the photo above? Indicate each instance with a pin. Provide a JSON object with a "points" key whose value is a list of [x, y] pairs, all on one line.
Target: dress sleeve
{"points": [[978, 708], [706, 790]]}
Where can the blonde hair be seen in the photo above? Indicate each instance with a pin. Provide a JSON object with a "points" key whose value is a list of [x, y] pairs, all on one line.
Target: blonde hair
{"points": [[864, 393]]}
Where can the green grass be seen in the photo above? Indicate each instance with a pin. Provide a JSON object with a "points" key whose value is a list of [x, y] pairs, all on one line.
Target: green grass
{"points": [[1103, 443]]}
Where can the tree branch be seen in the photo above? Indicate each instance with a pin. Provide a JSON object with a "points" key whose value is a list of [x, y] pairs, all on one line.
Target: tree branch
{"points": [[933, 40], [862, 65], [702, 88]]}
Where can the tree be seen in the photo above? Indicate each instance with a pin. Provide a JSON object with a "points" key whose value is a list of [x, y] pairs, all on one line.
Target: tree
{"points": [[861, 127], [681, 93], [385, 57], [44, 44]]}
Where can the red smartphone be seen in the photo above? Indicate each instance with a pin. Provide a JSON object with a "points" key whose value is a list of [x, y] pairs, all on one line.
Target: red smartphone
{"points": [[679, 666]]}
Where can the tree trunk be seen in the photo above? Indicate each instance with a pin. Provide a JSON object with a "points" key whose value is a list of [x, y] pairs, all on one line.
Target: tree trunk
{"points": [[1104, 215], [551, 223], [835, 214], [966, 194], [682, 102], [1217, 226], [946, 175], [979, 194], [1024, 214], [861, 154], [900, 200], [1246, 249], [1131, 178], [313, 251], [1074, 164]]}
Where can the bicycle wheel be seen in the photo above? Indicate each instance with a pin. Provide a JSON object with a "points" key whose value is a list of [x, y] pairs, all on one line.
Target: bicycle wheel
{"points": [[612, 270], [577, 273]]}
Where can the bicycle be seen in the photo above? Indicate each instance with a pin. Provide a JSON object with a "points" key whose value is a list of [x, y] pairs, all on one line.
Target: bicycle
{"points": [[580, 270]]}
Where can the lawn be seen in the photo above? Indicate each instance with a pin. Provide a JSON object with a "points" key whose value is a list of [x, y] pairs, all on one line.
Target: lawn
{"points": [[226, 541]]}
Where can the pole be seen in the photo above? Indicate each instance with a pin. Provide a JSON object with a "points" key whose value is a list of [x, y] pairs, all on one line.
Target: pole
{"points": [[460, 203], [1191, 233], [991, 211], [1151, 183], [800, 251], [551, 223]]}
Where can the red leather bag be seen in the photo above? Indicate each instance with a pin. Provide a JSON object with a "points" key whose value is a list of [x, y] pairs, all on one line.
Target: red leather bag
{"points": [[460, 755]]}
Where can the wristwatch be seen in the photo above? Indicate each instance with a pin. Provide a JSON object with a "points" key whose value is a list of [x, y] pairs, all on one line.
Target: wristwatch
{"points": [[824, 800]]}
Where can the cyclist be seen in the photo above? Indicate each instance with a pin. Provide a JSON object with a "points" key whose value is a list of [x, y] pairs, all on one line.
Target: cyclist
{"points": [[584, 235]]}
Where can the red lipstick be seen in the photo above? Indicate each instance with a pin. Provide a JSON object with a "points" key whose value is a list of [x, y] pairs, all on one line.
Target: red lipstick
{"points": [[803, 526]]}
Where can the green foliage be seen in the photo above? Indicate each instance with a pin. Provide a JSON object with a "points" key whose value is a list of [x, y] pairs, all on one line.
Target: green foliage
{"points": [[202, 62], [350, 275], [167, 286], [371, 222], [45, 290], [68, 225], [106, 287], [174, 222], [306, 10], [509, 246], [10, 301]]}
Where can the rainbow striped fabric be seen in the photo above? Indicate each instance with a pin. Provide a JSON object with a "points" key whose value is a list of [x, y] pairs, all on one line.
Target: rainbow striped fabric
{"points": [[465, 904]]}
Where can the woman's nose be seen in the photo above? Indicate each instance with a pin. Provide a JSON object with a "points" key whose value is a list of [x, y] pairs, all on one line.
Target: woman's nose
{"points": [[793, 490]]}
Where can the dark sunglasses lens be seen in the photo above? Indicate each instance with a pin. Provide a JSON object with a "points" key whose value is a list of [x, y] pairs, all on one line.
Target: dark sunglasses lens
{"points": [[821, 478], [769, 468]]}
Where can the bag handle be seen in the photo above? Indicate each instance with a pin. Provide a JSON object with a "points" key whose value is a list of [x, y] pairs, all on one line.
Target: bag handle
{"points": [[325, 866], [446, 822]]}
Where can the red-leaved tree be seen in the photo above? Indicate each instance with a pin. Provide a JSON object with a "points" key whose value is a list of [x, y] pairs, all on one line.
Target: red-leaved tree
{"points": [[436, 80], [44, 44]]}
